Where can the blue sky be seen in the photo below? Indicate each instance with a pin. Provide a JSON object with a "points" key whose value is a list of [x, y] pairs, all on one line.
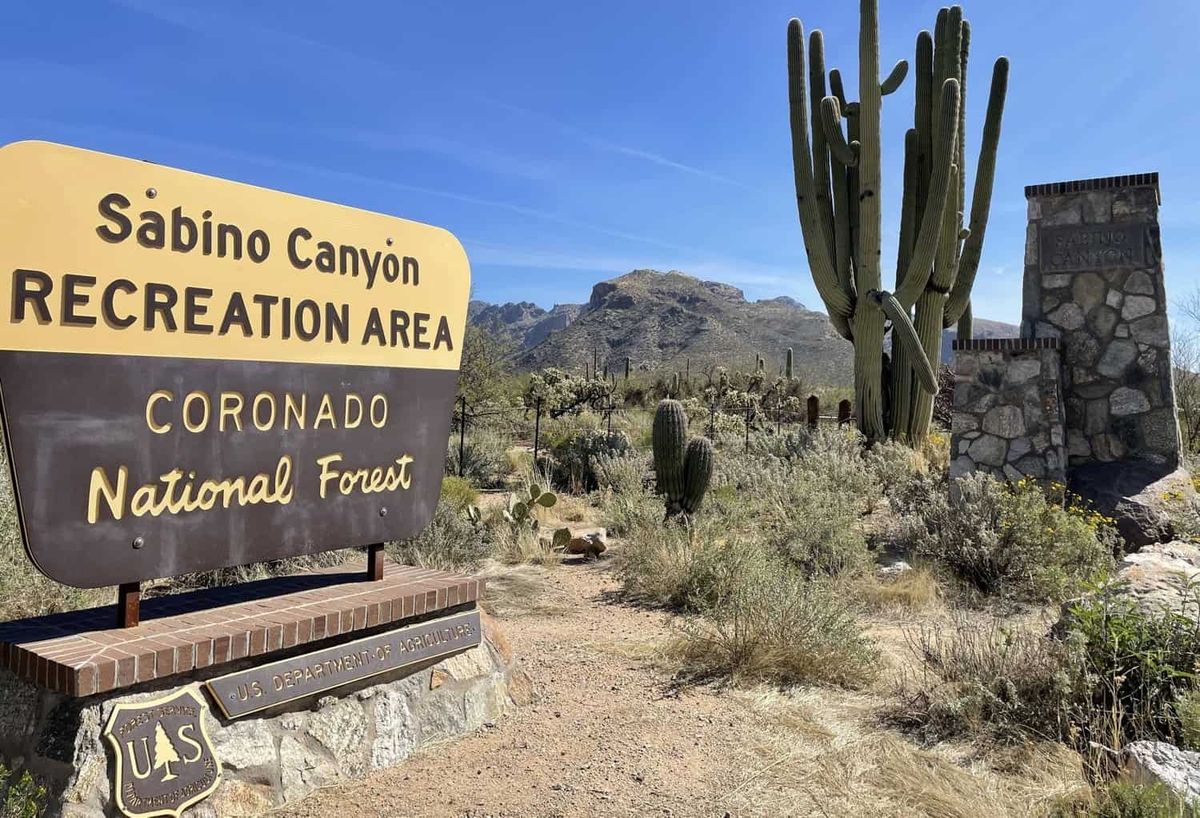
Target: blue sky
{"points": [[565, 143]]}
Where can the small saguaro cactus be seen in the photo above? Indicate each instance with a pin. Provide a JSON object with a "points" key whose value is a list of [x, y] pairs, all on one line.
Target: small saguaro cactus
{"points": [[787, 365], [837, 176], [683, 468], [626, 367]]}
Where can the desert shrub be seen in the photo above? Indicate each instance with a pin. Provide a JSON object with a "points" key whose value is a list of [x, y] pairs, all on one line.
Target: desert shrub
{"points": [[985, 678], [1125, 800], [674, 568], [451, 542], [1187, 710], [1136, 668], [518, 545], [762, 621], [816, 526], [629, 514], [624, 473], [574, 460], [458, 492], [484, 458], [1011, 539], [23, 796]]}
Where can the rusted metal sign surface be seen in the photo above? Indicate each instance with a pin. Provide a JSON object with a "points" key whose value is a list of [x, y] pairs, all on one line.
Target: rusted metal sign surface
{"points": [[196, 373], [257, 688], [164, 760]]}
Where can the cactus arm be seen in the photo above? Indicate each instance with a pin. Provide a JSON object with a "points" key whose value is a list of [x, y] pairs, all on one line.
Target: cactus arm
{"points": [[846, 153], [966, 324], [923, 114], [905, 335], [964, 46], [837, 299], [926, 243], [895, 79], [820, 149], [981, 198], [836, 88], [841, 225], [908, 207], [697, 473]]}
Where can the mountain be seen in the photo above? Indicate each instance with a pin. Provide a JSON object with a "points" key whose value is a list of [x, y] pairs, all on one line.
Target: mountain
{"points": [[522, 325], [668, 320]]}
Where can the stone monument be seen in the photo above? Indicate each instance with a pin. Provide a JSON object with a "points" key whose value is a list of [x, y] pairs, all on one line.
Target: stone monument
{"points": [[1094, 280]]}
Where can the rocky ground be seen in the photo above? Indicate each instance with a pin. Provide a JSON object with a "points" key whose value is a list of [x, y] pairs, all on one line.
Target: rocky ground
{"points": [[610, 734]]}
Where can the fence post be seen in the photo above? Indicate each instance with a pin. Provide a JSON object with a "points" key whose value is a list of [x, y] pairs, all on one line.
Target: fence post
{"points": [[611, 406], [712, 421], [843, 412], [462, 432], [537, 432], [747, 426], [814, 410]]}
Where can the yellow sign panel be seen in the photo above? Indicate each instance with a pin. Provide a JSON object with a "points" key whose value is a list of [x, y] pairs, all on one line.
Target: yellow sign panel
{"points": [[105, 255]]}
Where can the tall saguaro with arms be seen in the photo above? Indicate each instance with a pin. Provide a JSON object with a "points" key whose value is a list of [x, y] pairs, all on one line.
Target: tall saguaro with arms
{"points": [[836, 161]]}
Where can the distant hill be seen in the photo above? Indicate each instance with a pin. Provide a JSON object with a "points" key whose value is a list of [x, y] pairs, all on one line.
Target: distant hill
{"points": [[667, 319]]}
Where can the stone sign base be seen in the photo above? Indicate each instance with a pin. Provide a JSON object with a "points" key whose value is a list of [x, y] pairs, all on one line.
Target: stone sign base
{"points": [[275, 757], [416, 663]]}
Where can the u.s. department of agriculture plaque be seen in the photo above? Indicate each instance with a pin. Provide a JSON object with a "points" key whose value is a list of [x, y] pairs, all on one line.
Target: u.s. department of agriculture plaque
{"points": [[197, 373]]}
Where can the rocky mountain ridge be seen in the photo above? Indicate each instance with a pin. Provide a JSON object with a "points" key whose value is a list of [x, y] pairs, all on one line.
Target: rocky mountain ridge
{"points": [[671, 319]]}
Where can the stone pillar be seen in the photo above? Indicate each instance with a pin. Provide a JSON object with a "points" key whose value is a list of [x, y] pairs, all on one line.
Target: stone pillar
{"points": [[1094, 280], [1007, 417]]}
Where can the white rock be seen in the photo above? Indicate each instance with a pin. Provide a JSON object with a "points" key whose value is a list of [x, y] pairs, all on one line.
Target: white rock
{"points": [[1157, 762], [1136, 306]]}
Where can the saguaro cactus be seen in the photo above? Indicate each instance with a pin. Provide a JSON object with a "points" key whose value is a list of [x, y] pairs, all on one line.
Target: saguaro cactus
{"points": [[682, 468], [837, 176], [787, 364]]}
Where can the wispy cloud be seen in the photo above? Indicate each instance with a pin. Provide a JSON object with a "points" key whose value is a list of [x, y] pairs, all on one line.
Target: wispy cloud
{"points": [[215, 25], [120, 136]]}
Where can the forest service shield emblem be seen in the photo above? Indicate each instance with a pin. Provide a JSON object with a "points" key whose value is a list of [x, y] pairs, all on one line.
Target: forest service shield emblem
{"points": [[164, 759]]}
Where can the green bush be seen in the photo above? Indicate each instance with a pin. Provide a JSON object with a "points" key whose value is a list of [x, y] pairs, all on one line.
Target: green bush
{"points": [[458, 492], [1187, 709], [484, 458], [624, 473], [23, 797], [1123, 800], [1011, 539], [451, 542], [1136, 668], [575, 459]]}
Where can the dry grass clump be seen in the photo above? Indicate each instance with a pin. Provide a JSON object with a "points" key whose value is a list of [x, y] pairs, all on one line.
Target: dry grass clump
{"points": [[916, 589], [988, 678]]}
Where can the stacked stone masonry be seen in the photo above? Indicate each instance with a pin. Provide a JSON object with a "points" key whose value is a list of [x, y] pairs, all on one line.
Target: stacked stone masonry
{"points": [[1007, 417], [1094, 280]]}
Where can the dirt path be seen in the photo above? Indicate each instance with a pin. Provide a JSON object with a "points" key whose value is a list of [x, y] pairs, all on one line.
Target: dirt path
{"points": [[610, 736]]}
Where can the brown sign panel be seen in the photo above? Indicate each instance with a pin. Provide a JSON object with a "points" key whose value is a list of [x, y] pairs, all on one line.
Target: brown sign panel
{"points": [[196, 373], [164, 760], [257, 688], [1094, 247]]}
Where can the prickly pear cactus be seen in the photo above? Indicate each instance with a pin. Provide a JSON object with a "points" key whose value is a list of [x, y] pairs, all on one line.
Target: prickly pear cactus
{"points": [[837, 176]]}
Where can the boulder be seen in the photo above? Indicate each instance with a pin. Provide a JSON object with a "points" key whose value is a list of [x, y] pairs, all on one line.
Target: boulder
{"points": [[1157, 762], [589, 541], [1158, 576], [1139, 495]]}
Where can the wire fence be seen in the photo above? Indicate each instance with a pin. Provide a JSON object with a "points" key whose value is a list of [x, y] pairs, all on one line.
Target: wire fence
{"points": [[526, 425]]}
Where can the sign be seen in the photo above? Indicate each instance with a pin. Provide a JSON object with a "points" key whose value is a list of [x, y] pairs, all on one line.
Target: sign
{"points": [[164, 758], [257, 688], [196, 373], [1076, 248]]}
